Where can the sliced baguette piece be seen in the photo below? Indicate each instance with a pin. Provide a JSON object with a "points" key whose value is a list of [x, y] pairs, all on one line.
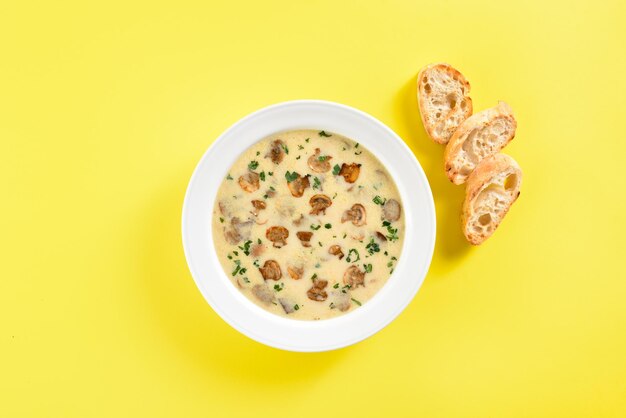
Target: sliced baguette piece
{"points": [[490, 191], [443, 98], [479, 136]]}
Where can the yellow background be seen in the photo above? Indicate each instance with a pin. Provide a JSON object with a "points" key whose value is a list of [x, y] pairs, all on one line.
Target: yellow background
{"points": [[105, 110]]}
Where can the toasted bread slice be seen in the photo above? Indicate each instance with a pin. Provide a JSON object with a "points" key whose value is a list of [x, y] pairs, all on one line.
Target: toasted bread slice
{"points": [[444, 102], [479, 136], [491, 190]]}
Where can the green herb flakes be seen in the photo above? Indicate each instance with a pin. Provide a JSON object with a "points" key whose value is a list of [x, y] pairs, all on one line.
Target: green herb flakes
{"points": [[291, 176], [351, 258], [379, 200]]}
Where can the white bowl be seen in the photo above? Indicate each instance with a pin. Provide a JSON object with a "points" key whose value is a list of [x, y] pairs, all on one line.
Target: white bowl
{"points": [[296, 335]]}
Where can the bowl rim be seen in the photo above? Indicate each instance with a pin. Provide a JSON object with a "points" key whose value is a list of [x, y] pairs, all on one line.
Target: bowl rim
{"points": [[270, 329]]}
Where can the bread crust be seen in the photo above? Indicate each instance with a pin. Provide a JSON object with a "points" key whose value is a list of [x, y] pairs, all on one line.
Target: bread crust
{"points": [[495, 166], [477, 121], [423, 95]]}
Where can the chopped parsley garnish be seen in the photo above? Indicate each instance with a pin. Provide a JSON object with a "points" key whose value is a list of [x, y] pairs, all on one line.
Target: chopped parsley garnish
{"points": [[229, 177], [372, 247], [237, 267], [236, 252], [262, 175], [358, 153], [313, 277], [332, 305], [296, 307], [256, 263], [253, 165], [258, 241], [285, 148], [393, 232], [221, 220], [230, 257], [291, 176], [258, 153], [345, 288], [389, 264], [368, 268], [300, 147], [246, 247], [246, 280], [328, 226], [379, 200], [315, 227], [336, 170], [344, 235], [350, 258], [320, 243], [322, 158], [356, 301], [298, 157], [307, 140], [317, 184], [386, 253], [322, 133], [271, 173], [356, 145], [335, 195], [279, 287], [317, 265], [272, 188], [336, 286]]}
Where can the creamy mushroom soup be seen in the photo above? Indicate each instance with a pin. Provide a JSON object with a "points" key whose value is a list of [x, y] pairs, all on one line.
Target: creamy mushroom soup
{"points": [[308, 225]]}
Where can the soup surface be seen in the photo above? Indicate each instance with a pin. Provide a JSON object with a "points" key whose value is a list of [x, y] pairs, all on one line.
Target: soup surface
{"points": [[308, 224]]}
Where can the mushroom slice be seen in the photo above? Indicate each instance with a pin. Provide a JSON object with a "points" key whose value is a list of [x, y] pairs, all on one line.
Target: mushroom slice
{"points": [[304, 237], [295, 272], [356, 214], [298, 220], [350, 172], [380, 236], [263, 293], [319, 203], [249, 182], [336, 250], [358, 237], [340, 300], [354, 277], [287, 305], [270, 193], [271, 270], [237, 231], [225, 208], [278, 235], [259, 204], [257, 250], [297, 186], [319, 163], [276, 152], [391, 210], [317, 292]]}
